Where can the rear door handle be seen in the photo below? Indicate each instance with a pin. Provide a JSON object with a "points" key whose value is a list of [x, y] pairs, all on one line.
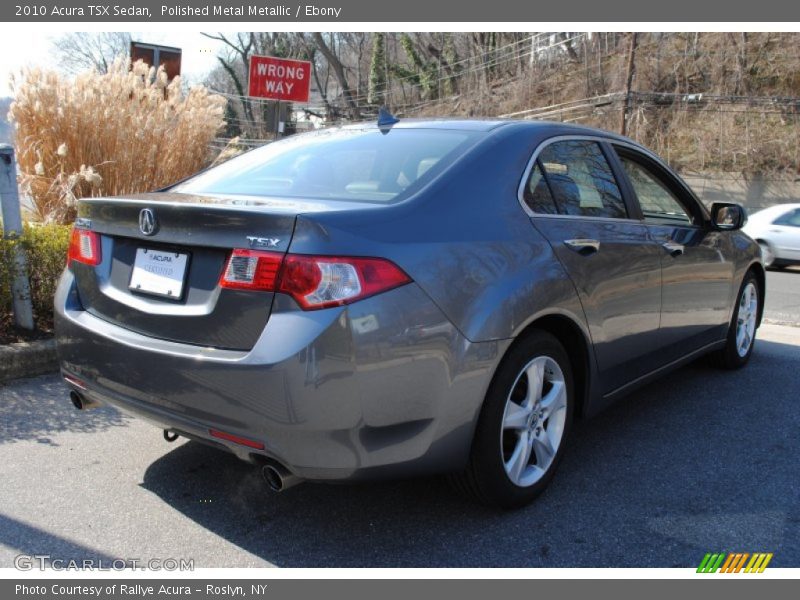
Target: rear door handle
{"points": [[674, 248], [583, 246]]}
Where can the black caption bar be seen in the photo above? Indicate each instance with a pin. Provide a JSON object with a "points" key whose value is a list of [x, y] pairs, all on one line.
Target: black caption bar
{"points": [[452, 11], [356, 589]]}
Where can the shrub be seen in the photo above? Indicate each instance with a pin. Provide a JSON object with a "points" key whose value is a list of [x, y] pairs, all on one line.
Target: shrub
{"points": [[46, 250], [122, 132]]}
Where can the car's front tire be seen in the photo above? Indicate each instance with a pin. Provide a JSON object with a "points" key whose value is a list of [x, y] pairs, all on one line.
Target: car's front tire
{"points": [[742, 330], [523, 425]]}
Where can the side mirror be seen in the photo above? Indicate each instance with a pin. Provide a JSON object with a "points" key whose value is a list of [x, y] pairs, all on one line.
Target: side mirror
{"points": [[727, 216]]}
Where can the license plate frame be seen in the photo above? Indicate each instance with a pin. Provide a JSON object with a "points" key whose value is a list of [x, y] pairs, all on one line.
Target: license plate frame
{"points": [[166, 277]]}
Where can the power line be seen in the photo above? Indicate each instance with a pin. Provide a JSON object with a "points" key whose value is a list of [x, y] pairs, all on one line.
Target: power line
{"points": [[410, 79]]}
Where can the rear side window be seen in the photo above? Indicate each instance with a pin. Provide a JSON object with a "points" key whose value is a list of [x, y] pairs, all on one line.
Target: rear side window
{"points": [[792, 219], [347, 164], [537, 193], [579, 180]]}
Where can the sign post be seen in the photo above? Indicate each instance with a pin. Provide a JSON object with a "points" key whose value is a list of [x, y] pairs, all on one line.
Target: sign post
{"points": [[12, 229], [279, 79]]}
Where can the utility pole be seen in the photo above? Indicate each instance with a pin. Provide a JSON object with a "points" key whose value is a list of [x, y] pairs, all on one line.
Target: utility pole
{"points": [[277, 125], [12, 229], [626, 105]]}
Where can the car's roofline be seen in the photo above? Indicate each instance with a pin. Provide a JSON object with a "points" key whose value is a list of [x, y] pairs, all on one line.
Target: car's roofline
{"points": [[774, 209], [490, 124], [444, 123]]}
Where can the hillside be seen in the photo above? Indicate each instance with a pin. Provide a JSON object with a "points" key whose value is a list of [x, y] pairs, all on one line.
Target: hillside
{"points": [[719, 102], [708, 102]]}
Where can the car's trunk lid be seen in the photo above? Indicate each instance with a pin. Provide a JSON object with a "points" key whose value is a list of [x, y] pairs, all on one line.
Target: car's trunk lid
{"points": [[197, 230]]}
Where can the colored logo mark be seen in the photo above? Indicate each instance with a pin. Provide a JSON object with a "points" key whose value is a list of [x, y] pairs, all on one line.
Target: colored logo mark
{"points": [[734, 562]]}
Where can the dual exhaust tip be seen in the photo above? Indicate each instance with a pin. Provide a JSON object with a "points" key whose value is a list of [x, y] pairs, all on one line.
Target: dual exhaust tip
{"points": [[277, 477], [81, 402]]}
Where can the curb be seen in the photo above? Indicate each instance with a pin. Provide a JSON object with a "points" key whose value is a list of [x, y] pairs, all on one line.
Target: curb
{"points": [[27, 359], [768, 321]]}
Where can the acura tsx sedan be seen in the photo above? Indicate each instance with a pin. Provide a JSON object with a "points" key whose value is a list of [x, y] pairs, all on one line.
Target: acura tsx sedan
{"points": [[417, 297]]}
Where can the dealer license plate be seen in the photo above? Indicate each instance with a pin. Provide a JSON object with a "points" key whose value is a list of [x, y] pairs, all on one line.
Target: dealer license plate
{"points": [[159, 273]]}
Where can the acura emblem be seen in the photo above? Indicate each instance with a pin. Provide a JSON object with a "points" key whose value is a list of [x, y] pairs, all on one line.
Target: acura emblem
{"points": [[147, 221]]}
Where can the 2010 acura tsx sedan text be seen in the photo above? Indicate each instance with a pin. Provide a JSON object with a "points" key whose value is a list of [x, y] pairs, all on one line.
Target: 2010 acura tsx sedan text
{"points": [[404, 298]]}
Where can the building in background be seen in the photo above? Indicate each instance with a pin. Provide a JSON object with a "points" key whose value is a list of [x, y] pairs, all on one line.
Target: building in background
{"points": [[155, 55]]}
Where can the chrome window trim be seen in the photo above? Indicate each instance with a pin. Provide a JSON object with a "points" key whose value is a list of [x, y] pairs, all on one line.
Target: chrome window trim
{"points": [[660, 162], [532, 161], [599, 138], [629, 220]]}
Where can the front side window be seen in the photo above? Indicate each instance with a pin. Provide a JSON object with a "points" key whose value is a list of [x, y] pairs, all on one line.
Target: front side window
{"points": [[579, 181], [659, 205]]}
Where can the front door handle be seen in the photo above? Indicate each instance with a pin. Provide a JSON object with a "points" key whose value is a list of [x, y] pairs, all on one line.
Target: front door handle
{"points": [[674, 248], [583, 246]]}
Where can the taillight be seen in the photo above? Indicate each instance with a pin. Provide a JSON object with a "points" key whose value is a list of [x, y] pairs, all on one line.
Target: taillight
{"points": [[251, 270], [313, 281], [84, 247], [324, 281]]}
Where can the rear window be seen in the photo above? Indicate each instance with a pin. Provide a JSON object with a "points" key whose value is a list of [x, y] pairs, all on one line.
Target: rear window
{"points": [[347, 164]]}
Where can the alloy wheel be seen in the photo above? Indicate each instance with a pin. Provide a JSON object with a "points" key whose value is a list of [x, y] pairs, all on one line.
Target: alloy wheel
{"points": [[746, 319], [533, 421]]}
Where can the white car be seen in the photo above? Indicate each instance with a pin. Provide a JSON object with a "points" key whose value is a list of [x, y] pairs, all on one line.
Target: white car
{"points": [[777, 231]]}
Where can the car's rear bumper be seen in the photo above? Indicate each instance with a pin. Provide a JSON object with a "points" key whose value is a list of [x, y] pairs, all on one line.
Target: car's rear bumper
{"points": [[331, 394]]}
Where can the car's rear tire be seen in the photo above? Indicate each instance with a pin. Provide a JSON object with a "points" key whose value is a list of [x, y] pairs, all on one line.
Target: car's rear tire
{"points": [[523, 425], [742, 330]]}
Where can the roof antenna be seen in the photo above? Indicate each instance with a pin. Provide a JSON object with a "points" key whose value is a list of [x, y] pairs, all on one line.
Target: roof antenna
{"points": [[386, 119]]}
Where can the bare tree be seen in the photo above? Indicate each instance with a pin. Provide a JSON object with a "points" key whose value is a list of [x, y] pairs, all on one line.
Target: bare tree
{"points": [[321, 73], [219, 81], [261, 115], [355, 44], [79, 51], [338, 71]]}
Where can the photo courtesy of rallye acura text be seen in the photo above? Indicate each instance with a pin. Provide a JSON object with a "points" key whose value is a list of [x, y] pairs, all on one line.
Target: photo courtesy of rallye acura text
{"points": [[404, 298]]}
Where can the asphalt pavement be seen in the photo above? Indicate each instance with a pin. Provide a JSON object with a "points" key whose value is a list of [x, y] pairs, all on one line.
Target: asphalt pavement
{"points": [[783, 296], [702, 461]]}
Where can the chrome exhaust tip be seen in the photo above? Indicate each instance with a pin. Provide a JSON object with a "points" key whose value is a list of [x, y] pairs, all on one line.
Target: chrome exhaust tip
{"points": [[81, 402], [278, 477]]}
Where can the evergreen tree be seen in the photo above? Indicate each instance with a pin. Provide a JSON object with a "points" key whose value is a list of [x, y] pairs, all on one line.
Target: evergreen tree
{"points": [[377, 70]]}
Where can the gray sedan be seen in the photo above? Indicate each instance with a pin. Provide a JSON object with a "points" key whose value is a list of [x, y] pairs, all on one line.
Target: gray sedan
{"points": [[404, 298]]}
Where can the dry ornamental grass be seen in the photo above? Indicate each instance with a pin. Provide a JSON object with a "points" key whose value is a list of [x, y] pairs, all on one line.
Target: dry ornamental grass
{"points": [[123, 132]]}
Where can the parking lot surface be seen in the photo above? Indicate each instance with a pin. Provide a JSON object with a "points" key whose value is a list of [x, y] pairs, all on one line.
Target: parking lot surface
{"points": [[783, 296], [702, 461]]}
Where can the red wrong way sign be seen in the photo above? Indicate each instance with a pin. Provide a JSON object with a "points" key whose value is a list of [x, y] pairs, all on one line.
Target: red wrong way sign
{"points": [[279, 78]]}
